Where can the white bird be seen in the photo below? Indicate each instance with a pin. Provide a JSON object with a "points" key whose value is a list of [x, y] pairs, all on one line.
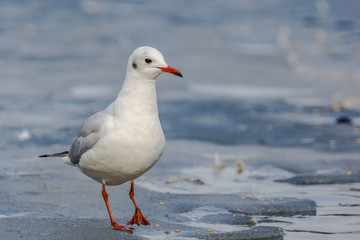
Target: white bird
{"points": [[123, 141]]}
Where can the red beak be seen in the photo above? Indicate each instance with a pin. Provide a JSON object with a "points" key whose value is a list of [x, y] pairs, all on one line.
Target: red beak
{"points": [[171, 70]]}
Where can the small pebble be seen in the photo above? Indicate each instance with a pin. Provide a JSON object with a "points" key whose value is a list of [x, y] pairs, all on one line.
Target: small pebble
{"points": [[240, 166], [252, 221], [197, 181], [174, 180], [343, 119]]}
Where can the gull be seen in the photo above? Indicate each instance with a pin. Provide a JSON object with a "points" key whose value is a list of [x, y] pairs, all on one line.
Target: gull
{"points": [[123, 141]]}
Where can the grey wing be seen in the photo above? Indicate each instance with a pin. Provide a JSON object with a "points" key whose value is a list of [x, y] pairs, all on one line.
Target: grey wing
{"points": [[87, 137]]}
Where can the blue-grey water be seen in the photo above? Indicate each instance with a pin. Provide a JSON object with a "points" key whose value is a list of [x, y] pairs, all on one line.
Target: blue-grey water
{"points": [[264, 84]]}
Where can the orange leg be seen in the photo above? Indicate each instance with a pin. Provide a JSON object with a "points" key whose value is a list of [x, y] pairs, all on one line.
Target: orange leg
{"points": [[138, 218], [114, 225]]}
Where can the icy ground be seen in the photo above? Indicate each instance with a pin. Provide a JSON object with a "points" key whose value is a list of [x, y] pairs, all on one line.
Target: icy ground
{"points": [[254, 149]]}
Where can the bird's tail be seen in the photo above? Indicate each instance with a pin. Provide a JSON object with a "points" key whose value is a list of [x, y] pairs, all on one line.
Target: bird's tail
{"points": [[62, 154]]}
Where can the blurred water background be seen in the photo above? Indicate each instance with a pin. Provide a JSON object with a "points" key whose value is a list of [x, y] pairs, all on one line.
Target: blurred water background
{"points": [[62, 61], [274, 74]]}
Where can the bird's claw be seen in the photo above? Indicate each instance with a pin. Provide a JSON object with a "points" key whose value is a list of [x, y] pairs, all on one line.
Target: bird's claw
{"points": [[138, 218], [116, 226]]}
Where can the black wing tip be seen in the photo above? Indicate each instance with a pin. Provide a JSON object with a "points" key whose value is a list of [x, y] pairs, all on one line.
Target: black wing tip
{"points": [[62, 154]]}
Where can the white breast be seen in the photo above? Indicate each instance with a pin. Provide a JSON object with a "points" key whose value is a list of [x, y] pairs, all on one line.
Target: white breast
{"points": [[125, 152]]}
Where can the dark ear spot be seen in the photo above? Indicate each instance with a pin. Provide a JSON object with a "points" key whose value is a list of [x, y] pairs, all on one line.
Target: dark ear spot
{"points": [[134, 65]]}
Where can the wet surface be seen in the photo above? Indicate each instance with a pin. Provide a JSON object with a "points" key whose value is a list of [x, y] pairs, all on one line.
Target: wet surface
{"points": [[262, 133], [234, 122]]}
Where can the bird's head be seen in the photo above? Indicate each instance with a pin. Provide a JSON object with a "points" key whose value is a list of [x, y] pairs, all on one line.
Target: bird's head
{"points": [[148, 63]]}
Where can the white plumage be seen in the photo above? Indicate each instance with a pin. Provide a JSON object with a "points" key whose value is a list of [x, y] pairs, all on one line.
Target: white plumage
{"points": [[124, 140]]}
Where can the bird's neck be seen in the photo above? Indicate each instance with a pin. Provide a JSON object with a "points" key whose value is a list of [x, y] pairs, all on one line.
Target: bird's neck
{"points": [[137, 97]]}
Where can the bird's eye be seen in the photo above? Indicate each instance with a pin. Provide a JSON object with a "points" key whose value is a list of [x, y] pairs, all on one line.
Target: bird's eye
{"points": [[148, 60]]}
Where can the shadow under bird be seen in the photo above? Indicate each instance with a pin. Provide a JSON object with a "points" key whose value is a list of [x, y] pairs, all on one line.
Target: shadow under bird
{"points": [[123, 141]]}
